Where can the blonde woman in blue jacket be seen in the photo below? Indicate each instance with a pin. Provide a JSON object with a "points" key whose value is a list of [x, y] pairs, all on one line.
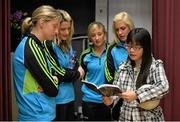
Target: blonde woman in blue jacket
{"points": [[116, 52], [66, 57], [36, 73], [92, 61]]}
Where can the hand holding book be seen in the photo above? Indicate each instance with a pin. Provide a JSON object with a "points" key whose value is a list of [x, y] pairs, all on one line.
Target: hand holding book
{"points": [[104, 89]]}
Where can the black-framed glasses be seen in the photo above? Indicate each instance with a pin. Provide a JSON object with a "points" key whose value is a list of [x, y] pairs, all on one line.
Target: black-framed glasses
{"points": [[134, 47]]}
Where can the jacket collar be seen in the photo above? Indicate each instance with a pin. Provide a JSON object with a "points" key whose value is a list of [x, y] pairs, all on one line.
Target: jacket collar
{"points": [[36, 39]]}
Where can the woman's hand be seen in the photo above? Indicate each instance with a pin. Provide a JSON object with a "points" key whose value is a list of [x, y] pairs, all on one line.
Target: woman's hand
{"points": [[56, 79], [129, 96], [81, 70], [107, 100]]}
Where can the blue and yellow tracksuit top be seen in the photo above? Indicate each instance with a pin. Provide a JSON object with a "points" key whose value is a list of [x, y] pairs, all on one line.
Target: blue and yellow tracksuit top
{"points": [[116, 54], [94, 72], [35, 88], [66, 92]]}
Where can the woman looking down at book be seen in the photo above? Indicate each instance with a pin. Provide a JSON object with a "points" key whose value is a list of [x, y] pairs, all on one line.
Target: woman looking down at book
{"points": [[92, 61], [66, 58], [143, 80], [36, 73], [116, 52]]}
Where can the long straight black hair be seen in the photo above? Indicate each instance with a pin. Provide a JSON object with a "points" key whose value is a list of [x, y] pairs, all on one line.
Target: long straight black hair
{"points": [[140, 36]]}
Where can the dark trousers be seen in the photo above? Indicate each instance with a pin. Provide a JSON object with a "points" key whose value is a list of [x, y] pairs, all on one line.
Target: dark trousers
{"points": [[96, 112], [65, 112]]}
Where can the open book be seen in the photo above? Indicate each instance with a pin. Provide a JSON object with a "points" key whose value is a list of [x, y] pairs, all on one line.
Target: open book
{"points": [[104, 89]]}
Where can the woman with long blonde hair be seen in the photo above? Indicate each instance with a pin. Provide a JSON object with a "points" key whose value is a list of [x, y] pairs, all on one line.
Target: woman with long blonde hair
{"points": [[66, 57]]}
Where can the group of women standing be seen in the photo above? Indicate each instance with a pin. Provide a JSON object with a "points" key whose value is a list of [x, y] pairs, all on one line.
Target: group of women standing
{"points": [[45, 69]]}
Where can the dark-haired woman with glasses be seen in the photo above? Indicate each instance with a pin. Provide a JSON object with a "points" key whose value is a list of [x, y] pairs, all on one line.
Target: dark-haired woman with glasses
{"points": [[142, 80]]}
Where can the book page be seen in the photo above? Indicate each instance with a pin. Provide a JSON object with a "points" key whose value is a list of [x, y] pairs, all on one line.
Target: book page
{"points": [[91, 86], [109, 90]]}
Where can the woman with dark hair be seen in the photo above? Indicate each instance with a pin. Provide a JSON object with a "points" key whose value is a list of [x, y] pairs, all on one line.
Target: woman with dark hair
{"points": [[142, 80]]}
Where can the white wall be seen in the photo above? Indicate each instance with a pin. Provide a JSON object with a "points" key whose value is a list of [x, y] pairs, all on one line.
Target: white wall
{"points": [[102, 12], [140, 10]]}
